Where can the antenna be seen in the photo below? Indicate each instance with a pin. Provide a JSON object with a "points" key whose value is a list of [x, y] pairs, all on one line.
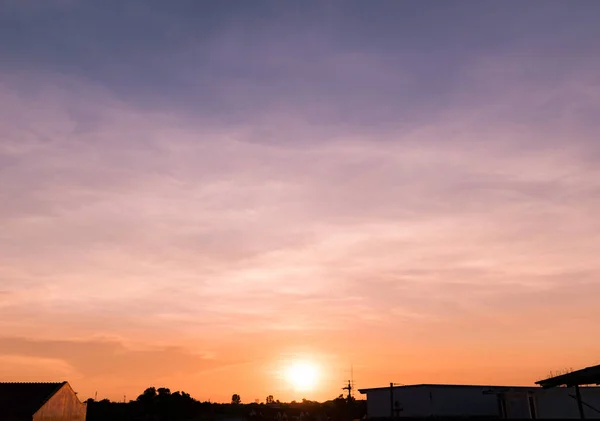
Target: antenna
{"points": [[350, 386]]}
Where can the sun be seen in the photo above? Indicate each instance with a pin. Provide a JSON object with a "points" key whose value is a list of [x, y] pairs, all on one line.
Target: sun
{"points": [[302, 375]]}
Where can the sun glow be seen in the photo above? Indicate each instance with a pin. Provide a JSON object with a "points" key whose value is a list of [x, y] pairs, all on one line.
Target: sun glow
{"points": [[302, 375]]}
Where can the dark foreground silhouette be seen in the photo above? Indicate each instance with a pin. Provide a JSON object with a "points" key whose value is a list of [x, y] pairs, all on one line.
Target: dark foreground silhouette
{"points": [[162, 405]]}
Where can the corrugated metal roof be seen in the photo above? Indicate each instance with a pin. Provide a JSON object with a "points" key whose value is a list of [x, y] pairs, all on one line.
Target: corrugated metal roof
{"points": [[589, 375], [22, 400]]}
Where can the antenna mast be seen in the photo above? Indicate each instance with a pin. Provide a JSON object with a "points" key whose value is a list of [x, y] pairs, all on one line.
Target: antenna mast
{"points": [[350, 386]]}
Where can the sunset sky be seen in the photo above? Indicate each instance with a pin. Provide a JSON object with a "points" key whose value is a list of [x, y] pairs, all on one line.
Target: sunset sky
{"points": [[200, 195]]}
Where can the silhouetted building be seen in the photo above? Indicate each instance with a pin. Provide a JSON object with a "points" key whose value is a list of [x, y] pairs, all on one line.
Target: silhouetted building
{"points": [[40, 402], [516, 402], [575, 379]]}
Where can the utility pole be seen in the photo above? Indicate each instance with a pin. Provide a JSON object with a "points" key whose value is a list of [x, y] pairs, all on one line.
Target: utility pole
{"points": [[349, 404], [350, 386], [392, 401], [349, 389], [395, 407], [579, 402], [350, 407]]}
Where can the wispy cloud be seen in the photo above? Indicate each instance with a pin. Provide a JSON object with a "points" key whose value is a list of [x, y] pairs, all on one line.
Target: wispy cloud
{"points": [[284, 189]]}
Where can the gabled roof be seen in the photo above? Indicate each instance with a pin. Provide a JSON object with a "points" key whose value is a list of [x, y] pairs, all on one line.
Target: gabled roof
{"points": [[589, 375], [22, 400]]}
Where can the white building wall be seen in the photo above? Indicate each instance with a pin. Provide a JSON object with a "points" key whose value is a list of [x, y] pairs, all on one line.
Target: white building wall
{"points": [[413, 402], [459, 401], [378, 403], [517, 404], [436, 400], [423, 401], [558, 404]]}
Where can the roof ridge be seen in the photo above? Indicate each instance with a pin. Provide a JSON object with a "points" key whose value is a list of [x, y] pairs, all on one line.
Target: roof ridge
{"points": [[33, 382]]}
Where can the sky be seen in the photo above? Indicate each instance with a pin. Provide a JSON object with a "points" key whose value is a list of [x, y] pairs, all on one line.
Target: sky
{"points": [[199, 195]]}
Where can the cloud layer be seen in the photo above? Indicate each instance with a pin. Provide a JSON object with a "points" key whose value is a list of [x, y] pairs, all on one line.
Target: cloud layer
{"points": [[179, 198]]}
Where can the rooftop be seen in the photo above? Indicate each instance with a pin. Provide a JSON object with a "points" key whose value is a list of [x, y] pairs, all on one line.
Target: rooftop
{"points": [[363, 391], [589, 375], [18, 400]]}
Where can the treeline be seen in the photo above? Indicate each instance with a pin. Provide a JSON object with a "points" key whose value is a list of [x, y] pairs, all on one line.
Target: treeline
{"points": [[162, 405]]}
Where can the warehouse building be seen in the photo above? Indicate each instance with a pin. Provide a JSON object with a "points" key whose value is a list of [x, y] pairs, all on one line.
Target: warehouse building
{"points": [[510, 402], [40, 402]]}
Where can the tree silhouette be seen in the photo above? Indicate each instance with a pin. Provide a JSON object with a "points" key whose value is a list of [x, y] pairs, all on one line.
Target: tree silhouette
{"points": [[148, 395], [164, 391], [160, 404]]}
